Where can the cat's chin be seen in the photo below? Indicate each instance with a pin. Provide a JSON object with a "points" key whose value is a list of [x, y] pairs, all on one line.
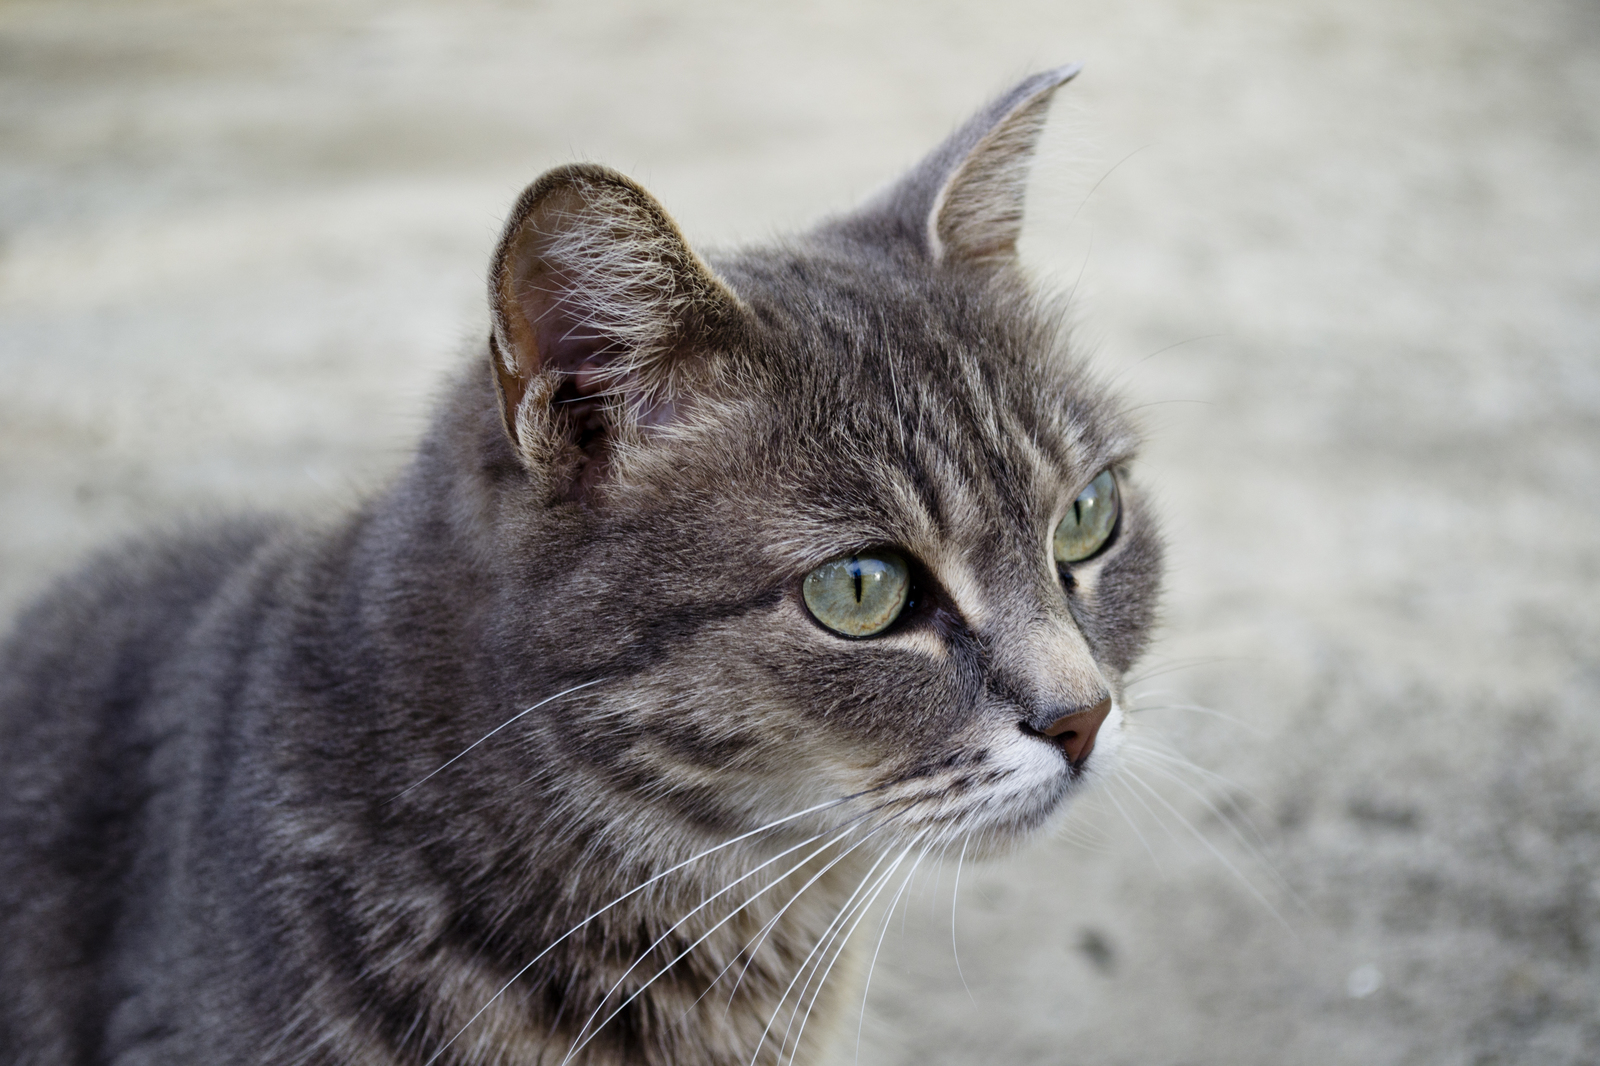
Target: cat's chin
{"points": [[1004, 833]]}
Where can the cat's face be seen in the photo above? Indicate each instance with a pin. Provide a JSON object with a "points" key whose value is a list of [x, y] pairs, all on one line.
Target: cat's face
{"points": [[732, 454]]}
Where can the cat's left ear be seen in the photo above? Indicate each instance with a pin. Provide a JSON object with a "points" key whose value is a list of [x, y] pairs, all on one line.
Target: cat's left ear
{"points": [[963, 202], [600, 309]]}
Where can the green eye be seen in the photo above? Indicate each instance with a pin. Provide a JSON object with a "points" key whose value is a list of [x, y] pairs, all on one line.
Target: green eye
{"points": [[858, 595], [1090, 521]]}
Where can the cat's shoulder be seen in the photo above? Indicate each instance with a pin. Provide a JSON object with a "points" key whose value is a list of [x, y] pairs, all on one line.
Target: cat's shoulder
{"points": [[97, 636]]}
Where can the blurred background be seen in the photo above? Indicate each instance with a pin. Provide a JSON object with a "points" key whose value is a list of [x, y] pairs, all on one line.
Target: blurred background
{"points": [[1344, 258]]}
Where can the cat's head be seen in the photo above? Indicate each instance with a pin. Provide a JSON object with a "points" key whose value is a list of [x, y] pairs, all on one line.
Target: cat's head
{"points": [[838, 517]]}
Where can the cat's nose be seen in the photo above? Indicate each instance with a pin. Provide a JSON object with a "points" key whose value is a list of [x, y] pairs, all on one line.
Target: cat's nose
{"points": [[1075, 732]]}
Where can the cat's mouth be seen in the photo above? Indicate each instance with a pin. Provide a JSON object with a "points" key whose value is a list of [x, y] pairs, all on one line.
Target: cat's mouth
{"points": [[1074, 734]]}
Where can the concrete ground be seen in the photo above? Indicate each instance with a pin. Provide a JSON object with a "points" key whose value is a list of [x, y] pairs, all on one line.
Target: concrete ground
{"points": [[1344, 256]]}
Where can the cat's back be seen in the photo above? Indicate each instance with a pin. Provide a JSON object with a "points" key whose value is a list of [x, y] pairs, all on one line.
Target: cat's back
{"points": [[79, 675]]}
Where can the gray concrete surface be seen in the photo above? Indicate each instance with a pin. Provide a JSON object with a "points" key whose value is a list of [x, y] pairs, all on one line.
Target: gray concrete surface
{"points": [[1346, 256]]}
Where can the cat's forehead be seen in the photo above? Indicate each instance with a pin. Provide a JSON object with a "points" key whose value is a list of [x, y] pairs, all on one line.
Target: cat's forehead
{"points": [[918, 408]]}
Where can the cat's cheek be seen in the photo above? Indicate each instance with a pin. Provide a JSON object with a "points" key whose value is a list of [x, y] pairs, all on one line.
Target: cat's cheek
{"points": [[1115, 601]]}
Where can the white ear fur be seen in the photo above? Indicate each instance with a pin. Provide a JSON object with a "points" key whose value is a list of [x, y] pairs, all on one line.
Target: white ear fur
{"points": [[621, 269], [594, 287], [963, 202], [977, 214]]}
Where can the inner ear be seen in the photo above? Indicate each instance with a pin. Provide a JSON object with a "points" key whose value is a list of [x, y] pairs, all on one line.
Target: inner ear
{"points": [[548, 332], [548, 327], [598, 302]]}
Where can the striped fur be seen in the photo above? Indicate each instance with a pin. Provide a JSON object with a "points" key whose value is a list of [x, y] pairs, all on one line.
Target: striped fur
{"points": [[538, 757]]}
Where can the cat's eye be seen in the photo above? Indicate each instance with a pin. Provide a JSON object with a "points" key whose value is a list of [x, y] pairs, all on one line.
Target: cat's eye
{"points": [[1089, 521], [859, 595]]}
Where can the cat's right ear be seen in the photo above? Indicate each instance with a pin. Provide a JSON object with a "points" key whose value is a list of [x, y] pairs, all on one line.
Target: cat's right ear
{"points": [[599, 306]]}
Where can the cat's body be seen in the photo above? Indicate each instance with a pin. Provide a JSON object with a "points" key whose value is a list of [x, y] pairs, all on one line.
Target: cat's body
{"points": [[335, 795]]}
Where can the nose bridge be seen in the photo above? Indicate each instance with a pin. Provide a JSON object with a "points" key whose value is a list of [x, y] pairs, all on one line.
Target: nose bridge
{"points": [[1037, 657], [1050, 661], [1044, 665]]}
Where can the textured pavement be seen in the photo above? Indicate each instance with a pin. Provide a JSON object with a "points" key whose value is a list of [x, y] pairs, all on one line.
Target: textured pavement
{"points": [[1344, 256]]}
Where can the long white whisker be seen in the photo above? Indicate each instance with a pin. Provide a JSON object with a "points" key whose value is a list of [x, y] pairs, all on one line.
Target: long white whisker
{"points": [[750, 951], [1250, 847], [1173, 665], [1195, 708], [1077, 830], [520, 714], [804, 963], [1141, 752], [866, 986], [826, 958], [581, 1041], [812, 969], [1128, 779], [1166, 764], [1167, 754], [906, 910], [631, 892], [955, 894], [1126, 817], [820, 972], [1254, 891], [844, 942], [938, 876]]}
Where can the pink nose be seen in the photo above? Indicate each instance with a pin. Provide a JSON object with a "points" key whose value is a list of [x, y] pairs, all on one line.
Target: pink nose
{"points": [[1075, 732]]}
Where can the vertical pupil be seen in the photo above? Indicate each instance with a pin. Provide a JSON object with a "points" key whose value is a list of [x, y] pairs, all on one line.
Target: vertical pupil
{"points": [[1077, 510], [855, 572]]}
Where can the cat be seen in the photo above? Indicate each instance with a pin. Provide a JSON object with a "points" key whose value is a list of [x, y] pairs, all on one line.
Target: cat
{"points": [[720, 593]]}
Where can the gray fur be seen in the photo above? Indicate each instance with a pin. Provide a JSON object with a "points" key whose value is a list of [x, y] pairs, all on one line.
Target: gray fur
{"points": [[239, 825]]}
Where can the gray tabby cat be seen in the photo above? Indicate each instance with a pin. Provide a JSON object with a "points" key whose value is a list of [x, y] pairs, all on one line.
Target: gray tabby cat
{"points": [[719, 595]]}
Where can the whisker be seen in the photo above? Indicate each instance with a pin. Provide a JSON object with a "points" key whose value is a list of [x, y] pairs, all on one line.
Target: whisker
{"points": [[1129, 778], [1216, 853], [1126, 817], [861, 913], [844, 943], [947, 838], [840, 936], [634, 891], [1082, 832], [1195, 708], [1251, 847], [581, 1041], [749, 951], [847, 907], [1162, 756], [866, 986], [1228, 822], [1102, 180], [938, 876], [955, 893], [492, 732], [1138, 753], [1173, 665], [1179, 344]]}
